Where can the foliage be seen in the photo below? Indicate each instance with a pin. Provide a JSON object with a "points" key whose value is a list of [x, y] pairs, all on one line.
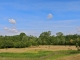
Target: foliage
{"points": [[45, 38]]}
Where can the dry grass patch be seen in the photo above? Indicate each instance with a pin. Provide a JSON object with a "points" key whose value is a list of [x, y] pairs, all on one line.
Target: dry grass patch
{"points": [[35, 49]]}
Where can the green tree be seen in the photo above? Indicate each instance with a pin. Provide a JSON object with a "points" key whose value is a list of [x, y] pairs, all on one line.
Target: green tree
{"points": [[78, 44], [21, 35], [59, 34], [60, 38], [45, 37]]}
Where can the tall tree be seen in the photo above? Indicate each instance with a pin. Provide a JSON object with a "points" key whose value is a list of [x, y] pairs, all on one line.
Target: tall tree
{"points": [[45, 37]]}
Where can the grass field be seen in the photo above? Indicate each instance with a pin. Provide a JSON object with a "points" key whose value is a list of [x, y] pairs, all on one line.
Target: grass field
{"points": [[73, 57], [45, 52]]}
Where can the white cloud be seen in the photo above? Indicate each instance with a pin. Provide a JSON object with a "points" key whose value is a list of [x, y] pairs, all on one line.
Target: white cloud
{"points": [[12, 21], [13, 30], [78, 29], [50, 16], [5, 28]]}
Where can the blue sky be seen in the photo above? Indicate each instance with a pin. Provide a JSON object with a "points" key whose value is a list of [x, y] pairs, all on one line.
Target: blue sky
{"points": [[36, 16]]}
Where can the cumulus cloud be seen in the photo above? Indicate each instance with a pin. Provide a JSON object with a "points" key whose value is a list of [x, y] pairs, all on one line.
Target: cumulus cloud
{"points": [[50, 16], [12, 21], [12, 29]]}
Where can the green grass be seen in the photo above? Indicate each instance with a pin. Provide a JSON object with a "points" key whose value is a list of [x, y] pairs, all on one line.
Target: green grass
{"points": [[59, 54], [41, 55], [25, 55]]}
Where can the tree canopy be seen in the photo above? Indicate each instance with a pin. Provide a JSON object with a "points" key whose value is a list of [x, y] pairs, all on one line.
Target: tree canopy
{"points": [[22, 40]]}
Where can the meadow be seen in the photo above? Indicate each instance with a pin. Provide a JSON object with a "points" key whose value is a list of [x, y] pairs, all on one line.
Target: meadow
{"points": [[45, 52]]}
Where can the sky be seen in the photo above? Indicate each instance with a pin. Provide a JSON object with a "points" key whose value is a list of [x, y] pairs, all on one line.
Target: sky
{"points": [[36, 16]]}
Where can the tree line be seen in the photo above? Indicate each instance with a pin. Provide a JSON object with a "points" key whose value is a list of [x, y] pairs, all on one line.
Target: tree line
{"points": [[22, 40]]}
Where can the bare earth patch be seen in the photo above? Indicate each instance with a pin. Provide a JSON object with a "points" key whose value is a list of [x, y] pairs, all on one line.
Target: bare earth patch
{"points": [[35, 49]]}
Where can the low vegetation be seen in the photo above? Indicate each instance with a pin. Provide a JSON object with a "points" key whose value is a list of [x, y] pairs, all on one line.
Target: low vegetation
{"points": [[71, 57], [25, 55], [41, 55]]}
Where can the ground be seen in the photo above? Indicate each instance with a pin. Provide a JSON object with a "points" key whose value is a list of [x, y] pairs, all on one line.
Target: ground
{"points": [[34, 49], [74, 57]]}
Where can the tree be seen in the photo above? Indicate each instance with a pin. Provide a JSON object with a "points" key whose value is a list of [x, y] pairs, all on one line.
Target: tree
{"points": [[78, 44], [60, 38], [59, 34], [45, 37], [21, 35]]}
